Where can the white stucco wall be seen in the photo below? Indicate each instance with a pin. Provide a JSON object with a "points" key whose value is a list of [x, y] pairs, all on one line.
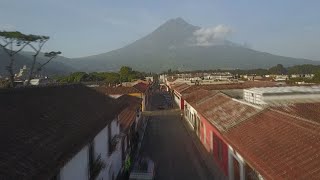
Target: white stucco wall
{"points": [[115, 96], [115, 159], [77, 167], [101, 148], [191, 111], [177, 100], [115, 162], [114, 128]]}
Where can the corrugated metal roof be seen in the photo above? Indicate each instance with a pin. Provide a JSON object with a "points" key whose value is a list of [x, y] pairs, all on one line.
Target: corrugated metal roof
{"points": [[287, 89], [244, 85]]}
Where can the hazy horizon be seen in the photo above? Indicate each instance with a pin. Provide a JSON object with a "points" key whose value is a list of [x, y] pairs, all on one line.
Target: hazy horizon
{"points": [[81, 28]]}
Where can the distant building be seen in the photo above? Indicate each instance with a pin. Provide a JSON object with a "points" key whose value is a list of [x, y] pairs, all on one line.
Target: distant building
{"points": [[23, 73], [40, 81], [302, 76], [219, 76], [281, 77], [149, 78], [162, 78]]}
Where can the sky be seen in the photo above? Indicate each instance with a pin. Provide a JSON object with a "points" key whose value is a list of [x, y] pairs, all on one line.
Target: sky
{"points": [[80, 28]]}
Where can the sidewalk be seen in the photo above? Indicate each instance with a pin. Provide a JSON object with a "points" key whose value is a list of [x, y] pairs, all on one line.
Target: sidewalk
{"points": [[207, 159]]}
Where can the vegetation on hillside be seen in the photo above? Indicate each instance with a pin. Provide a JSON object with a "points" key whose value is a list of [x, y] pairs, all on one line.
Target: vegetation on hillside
{"points": [[125, 74]]}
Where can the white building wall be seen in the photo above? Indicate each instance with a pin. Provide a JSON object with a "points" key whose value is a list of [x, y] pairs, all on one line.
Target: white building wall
{"points": [[101, 148], [233, 155], [115, 96], [191, 111], [253, 97], [115, 162], [77, 167], [114, 128], [115, 159], [177, 100]]}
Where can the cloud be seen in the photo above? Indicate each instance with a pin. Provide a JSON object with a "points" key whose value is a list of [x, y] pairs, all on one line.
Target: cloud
{"points": [[7, 27], [212, 35]]}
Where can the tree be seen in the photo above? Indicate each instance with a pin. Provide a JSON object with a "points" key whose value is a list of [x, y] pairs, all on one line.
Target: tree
{"points": [[112, 78], [51, 55], [303, 69], [78, 77], [12, 42], [39, 41], [124, 72], [316, 77], [279, 69]]}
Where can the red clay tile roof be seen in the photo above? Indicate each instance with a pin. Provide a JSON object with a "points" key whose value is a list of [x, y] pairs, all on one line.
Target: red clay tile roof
{"points": [[245, 85], [126, 118], [142, 87], [224, 112], [309, 111], [180, 88], [117, 90], [41, 128], [171, 79], [198, 95], [141, 81], [129, 100], [128, 115], [279, 146]]}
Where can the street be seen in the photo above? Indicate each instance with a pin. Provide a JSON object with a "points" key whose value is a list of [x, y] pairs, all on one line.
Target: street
{"points": [[169, 145]]}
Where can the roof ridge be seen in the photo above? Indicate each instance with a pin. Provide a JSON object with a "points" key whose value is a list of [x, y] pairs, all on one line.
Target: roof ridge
{"points": [[54, 85], [208, 98], [297, 117]]}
